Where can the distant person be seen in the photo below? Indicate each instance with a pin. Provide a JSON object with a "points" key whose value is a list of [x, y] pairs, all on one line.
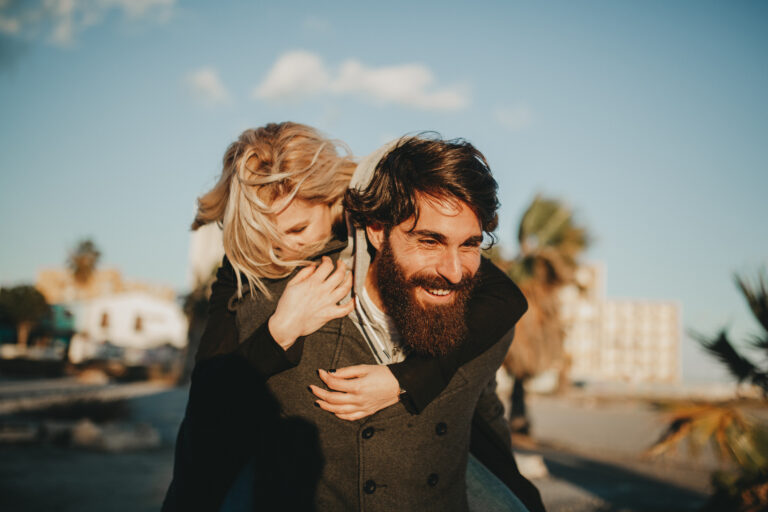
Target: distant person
{"points": [[279, 202]]}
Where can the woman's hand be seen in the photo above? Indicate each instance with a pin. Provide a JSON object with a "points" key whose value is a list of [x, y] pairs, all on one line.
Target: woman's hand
{"points": [[359, 391], [310, 300]]}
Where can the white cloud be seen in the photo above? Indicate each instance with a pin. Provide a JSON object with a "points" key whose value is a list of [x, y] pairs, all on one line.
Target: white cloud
{"points": [[407, 85], [301, 74], [295, 75], [207, 87], [60, 21], [516, 118]]}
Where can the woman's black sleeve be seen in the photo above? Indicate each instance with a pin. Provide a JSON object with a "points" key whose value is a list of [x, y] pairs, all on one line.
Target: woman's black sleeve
{"points": [[221, 336], [495, 306]]}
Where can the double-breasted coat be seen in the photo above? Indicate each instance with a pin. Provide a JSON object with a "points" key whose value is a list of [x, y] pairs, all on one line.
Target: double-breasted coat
{"points": [[392, 460]]}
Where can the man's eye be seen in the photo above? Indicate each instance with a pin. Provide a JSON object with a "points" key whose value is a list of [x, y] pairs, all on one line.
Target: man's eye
{"points": [[430, 242]]}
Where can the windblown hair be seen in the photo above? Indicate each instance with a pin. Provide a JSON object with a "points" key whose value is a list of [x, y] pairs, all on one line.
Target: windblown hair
{"points": [[441, 169], [277, 160]]}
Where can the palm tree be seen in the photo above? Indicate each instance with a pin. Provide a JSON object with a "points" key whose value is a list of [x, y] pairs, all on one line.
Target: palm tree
{"points": [[737, 438], [23, 306], [742, 369], [82, 261], [550, 245]]}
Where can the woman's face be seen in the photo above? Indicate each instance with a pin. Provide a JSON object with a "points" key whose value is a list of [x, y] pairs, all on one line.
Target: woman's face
{"points": [[303, 223]]}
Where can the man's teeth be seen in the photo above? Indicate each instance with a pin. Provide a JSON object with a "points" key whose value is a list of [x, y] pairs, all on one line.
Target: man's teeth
{"points": [[439, 292]]}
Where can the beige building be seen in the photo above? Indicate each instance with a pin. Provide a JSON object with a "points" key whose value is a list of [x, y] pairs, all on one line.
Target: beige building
{"points": [[634, 341]]}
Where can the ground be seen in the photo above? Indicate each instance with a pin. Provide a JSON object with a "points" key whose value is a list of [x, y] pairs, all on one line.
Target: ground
{"points": [[592, 451]]}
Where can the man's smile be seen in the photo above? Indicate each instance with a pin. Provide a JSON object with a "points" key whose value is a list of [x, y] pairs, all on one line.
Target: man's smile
{"points": [[434, 296]]}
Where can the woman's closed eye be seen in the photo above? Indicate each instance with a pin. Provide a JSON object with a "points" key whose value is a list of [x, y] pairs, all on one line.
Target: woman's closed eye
{"points": [[296, 230]]}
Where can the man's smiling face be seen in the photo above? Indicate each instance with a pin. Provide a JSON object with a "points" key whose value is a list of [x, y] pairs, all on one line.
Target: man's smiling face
{"points": [[422, 274]]}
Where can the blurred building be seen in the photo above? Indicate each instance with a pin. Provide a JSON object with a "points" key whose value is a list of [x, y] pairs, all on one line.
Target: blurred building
{"points": [[126, 326], [114, 318], [635, 341]]}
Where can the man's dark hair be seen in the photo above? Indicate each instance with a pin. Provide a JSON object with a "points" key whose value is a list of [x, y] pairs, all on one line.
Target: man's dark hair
{"points": [[442, 169]]}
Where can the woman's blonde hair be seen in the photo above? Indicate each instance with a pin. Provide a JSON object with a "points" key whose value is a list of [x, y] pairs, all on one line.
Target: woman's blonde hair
{"points": [[277, 160]]}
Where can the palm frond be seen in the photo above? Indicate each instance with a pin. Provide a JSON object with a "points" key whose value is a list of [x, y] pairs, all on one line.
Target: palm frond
{"points": [[757, 297], [759, 342], [739, 366], [676, 431]]}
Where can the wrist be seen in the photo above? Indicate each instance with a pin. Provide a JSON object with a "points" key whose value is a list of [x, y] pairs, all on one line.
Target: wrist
{"points": [[282, 336]]}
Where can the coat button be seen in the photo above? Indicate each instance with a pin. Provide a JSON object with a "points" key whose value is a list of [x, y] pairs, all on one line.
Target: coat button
{"points": [[432, 479], [441, 428], [370, 487], [368, 433]]}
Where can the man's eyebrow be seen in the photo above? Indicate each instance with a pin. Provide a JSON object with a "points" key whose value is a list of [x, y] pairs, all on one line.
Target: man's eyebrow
{"points": [[427, 233], [474, 240]]}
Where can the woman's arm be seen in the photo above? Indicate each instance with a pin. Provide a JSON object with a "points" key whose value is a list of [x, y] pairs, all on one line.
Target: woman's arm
{"points": [[221, 337], [308, 302]]}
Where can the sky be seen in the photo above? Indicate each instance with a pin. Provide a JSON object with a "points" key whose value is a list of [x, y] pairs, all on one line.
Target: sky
{"points": [[649, 119]]}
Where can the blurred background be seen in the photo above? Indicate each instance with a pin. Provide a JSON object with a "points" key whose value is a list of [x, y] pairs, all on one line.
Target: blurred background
{"points": [[628, 140]]}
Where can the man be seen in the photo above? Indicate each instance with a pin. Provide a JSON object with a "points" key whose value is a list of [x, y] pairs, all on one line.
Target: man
{"points": [[424, 212]]}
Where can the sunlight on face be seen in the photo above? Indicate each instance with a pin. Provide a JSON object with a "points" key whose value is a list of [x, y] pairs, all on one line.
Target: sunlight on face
{"points": [[445, 242], [444, 245], [303, 223]]}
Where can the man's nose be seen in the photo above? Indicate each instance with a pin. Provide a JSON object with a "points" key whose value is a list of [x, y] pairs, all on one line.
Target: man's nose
{"points": [[449, 266]]}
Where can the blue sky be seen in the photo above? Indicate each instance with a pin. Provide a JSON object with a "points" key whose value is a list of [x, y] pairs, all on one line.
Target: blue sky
{"points": [[649, 118]]}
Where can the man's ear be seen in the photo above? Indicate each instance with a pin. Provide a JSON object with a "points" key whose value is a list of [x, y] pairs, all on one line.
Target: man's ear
{"points": [[376, 234]]}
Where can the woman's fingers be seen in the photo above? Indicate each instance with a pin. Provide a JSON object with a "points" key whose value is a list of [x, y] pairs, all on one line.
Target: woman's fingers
{"points": [[342, 289], [338, 384], [352, 372], [337, 311], [337, 276], [345, 309], [337, 408], [332, 397], [302, 274], [352, 417], [324, 269]]}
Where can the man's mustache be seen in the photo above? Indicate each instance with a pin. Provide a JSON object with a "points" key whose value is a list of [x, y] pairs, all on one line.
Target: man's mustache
{"points": [[436, 282]]}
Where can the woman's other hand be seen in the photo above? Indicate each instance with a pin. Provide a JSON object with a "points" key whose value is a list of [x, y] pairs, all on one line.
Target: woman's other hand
{"points": [[357, 391], [310, 300]]}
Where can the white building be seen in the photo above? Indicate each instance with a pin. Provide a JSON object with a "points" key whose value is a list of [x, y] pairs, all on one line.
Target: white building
{"points": [[633, 341], [134, 322]]}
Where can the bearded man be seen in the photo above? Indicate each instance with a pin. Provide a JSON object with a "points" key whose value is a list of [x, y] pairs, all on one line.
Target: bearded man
{"points": [[418, 210]]}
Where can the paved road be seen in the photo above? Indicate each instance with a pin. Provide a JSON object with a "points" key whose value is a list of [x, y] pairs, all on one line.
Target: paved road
{"points": [[591, 454]]}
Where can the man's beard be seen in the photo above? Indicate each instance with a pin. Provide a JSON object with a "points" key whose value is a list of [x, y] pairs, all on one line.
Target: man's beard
{"points": [[426, 329]]}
